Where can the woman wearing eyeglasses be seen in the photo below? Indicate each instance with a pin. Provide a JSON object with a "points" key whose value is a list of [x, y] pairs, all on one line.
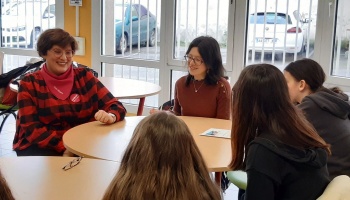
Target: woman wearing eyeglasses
{"points": [[59, 97], [204, 92]]}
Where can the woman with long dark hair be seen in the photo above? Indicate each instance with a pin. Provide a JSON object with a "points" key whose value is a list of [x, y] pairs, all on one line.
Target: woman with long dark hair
{"points": [[283, 155]]}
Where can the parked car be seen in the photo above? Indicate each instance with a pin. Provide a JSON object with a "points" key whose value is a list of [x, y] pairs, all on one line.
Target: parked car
{"points": [[277, 32], [140, 19], [24, 21]]}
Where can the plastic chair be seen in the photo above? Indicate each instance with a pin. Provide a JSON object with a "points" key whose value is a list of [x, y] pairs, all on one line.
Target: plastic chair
{"points": [[167, 105], [6, 111], [238, 178], [337, 189]]}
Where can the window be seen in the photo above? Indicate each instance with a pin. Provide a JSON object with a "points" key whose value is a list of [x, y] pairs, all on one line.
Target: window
{"points": [[280, 31], [133, 30], [23, 21], [196, 18], [341, 60]]}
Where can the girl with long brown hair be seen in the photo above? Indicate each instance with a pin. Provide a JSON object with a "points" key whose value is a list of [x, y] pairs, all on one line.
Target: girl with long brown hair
{"points": [[283, 155], [5, 192], [162, 161]]}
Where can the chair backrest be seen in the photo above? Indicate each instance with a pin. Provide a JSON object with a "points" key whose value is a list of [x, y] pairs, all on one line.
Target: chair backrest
{"points": [[2, 54], [167, 105], [337, 189]]}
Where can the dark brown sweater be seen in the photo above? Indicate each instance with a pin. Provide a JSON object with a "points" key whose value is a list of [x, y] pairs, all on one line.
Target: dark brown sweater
{"points": [[212, 101]]}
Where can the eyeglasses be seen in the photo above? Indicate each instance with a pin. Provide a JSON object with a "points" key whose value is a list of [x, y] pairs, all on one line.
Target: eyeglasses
{"points": [[72, 163], [58, 53], [196, 61]]}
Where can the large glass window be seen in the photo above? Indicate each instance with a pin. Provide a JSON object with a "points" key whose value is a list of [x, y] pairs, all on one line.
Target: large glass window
{"points": [[280, 31], [197, 18], [341, 60], [22, 21], [131, 28]]}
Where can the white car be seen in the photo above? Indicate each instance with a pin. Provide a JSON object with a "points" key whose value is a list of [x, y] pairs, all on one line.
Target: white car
{"points": [[23, 22], [289, 35]]}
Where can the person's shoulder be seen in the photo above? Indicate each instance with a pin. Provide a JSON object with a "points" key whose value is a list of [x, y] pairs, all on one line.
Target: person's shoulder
{"points": [[181, 80], [83, 72], [31, 76], [307, 102], [224, 85]]}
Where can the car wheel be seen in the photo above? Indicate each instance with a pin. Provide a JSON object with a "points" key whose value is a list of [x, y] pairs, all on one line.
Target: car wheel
{"points": [[152, 39], [278, 56], [123, 44], [302, 50], [34, 37]]}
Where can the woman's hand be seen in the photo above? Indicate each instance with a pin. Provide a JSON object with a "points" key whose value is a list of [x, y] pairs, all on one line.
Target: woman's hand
{"points": [[104, 117]]}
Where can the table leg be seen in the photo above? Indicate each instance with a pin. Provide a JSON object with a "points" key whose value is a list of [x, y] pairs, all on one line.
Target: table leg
{"points": [[218, 178], [141, 104]]}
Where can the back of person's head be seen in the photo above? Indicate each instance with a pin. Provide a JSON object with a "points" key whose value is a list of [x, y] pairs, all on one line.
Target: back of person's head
{"points": [[261, 103], [309, 71], [55, 36], [5, 192], [209, 50], [162, 161]]}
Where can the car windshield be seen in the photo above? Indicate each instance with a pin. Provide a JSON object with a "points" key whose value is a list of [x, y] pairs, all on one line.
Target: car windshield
{"points": [[270, 18], [118, 12]]}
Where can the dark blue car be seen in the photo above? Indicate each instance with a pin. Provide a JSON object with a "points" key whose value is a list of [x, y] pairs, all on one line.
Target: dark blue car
{"points": [[143, 25]]}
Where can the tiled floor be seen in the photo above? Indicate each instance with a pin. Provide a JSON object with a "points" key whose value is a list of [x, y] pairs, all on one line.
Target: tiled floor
{"points": [[6, 138]]}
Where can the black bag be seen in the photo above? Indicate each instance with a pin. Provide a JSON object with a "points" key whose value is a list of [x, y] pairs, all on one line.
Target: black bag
{"points": [[6, 78]]}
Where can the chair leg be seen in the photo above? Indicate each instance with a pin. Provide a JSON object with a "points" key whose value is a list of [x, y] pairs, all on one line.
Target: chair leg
{"points": [[3, 121], [5, 118]]}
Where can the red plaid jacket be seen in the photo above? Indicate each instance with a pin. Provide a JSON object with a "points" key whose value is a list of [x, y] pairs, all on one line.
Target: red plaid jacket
{"points": [[43, 119]]}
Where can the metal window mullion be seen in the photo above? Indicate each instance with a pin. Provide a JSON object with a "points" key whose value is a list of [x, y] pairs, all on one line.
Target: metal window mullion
{"points": [[338, 46], [254, 29], [196, 19], [139, 30], [285, 35], [348, 64], [274, 35], [187, 34], [297, 33], [123, 28], [156, 31], [308, 32], [263, 44], [178, 27], [147, 41], [130, 29], [217, 20], [206, 18]]}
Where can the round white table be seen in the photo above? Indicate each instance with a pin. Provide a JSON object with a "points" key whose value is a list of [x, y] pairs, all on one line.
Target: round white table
{"points": [[42, 178], [130, 89], [108, 142]]}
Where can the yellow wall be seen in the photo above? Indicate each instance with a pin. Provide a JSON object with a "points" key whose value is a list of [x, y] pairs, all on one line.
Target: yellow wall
{"points": [[84, 27]]}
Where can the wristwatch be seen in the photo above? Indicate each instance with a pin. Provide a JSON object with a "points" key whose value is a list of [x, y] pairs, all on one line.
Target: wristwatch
{"points": [[114, 117]]}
